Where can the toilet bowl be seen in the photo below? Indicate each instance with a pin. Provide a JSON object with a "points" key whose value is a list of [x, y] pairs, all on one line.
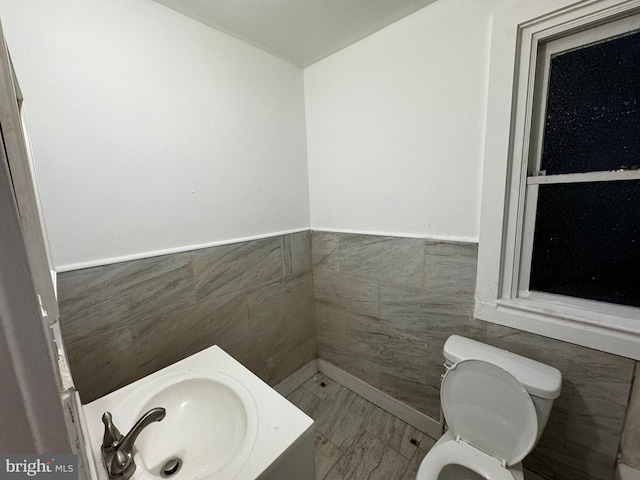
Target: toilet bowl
{"points": [[456, 460], [496, 405]]}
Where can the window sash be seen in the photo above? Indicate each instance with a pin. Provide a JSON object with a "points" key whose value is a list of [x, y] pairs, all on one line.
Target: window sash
{"points": [[534, 178], [588, 177]]}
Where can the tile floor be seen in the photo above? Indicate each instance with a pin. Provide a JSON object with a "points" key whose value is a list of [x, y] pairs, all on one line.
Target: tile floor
{"points": [[355, 440]]}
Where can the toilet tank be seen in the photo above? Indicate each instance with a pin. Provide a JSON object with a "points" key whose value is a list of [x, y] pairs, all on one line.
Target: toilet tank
{"points": [[543, 382]]}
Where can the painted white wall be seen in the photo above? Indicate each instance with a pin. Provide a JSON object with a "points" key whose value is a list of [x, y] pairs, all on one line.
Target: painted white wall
{"points": [[395, 126], [153, 132]]}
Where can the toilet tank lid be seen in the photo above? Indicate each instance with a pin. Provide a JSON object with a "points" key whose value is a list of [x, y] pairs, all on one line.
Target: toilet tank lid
{"points": [[539, 379]]}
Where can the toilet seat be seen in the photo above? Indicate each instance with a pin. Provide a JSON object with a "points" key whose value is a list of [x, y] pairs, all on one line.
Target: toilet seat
{"points": [[489, 409], [448, 451]]}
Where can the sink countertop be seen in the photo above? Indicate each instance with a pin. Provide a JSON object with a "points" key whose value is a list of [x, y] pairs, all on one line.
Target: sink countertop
{"points": [[281, 425]]}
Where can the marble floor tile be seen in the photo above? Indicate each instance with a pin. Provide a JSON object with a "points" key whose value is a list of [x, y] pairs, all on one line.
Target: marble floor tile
{"points": [[368, 459], [322, 386], [400, 436], [327, 454], [344, 418], [414, 462], [355, 440], [305, 401]]}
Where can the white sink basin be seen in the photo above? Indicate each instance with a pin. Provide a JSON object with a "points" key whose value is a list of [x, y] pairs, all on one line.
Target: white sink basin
{"points": [[222, 422], [210, 425]]}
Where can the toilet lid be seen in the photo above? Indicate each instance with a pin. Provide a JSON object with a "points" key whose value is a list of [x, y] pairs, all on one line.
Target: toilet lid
{"points": [[488, 408]]}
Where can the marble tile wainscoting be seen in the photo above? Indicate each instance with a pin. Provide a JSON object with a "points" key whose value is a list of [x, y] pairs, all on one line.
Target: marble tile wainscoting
{"points": [[385, 306], [123, 321], [379, 308]]}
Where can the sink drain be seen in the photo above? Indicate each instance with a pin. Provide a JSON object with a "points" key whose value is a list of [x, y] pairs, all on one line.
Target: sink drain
{"points": [[171, 468]]}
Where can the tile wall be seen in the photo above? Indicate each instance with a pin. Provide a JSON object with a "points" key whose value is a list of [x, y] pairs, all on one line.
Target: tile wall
{"points": [[382, 306], [385, 306], [255, 299], [630, 448]]}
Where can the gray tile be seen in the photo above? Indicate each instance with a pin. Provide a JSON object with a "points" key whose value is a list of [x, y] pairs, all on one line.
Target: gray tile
{"points": [[102, 363], [400, 302], [297, 253], [584, 427], [395, 433], [99, 299], [325, 251], [265, 302], [450, 269], [630, 449], [229, 268], [596, 424], [326, 454], [322, 386], [264, 343], [588, 371], [168, 338], [569, 461], [351, 342], [346, 292], [403, 356], [397, 261], [423, 396], [391, 466], [368, 459], [414, 463], [282, 329], [288, 298], [305, 401], [452, 249], [292, 360], [300, 322], [360, 461], [344, 418], [341, 356], [530, 475]]}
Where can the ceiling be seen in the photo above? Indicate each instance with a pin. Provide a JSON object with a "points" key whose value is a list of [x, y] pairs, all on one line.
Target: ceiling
{"points": [[300, 31]]}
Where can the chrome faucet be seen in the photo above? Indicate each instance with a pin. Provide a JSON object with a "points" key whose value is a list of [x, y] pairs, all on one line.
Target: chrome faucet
{"points": [[117, 451]]}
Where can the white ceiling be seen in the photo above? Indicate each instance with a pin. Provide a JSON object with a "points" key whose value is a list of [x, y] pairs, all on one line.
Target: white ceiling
{"points": [[301, 31]]}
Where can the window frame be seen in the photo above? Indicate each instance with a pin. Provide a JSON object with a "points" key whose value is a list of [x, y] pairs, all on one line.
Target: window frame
{"points": [[517, 32]]}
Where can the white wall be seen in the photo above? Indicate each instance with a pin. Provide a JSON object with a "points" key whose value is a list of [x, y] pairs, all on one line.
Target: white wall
{"points": [[395, 126], [151, 131]]}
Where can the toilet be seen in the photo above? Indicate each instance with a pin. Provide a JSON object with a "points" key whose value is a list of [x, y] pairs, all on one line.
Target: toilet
{"points": [[496, 405]]}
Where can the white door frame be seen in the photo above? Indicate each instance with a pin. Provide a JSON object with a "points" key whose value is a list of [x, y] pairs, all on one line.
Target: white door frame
{"points": [[32, 418]]}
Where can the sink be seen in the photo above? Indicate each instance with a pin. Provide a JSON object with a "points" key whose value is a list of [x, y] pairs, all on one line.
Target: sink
{"points": [[222, 423], [210, 426]]}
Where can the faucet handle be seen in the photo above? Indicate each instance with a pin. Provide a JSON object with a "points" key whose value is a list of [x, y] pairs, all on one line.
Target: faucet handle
{"points": [[120, 463], [111, 433]]}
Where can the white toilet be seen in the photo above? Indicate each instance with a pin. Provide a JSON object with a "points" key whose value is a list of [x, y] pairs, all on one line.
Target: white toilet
{"points": [[496, 404]]}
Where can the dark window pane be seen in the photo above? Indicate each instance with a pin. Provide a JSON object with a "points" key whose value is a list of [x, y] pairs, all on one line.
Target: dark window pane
{"points": [[593, 108], [587, 241]]}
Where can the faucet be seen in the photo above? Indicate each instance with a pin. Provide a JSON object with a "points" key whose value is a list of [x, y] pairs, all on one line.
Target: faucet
{"points": [[117, 450]]}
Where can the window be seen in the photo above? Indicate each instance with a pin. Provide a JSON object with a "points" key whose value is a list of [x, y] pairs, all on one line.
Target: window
{"points": [[582, 201], [560, 230]]}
